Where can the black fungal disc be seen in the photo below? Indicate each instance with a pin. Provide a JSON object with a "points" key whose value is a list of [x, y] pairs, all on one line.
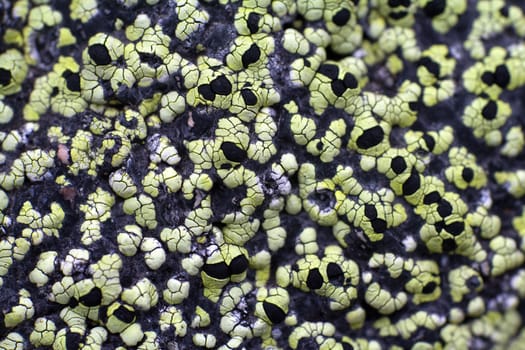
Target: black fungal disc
{"points": [[206, 92], [350, 81], [274, 313], [329, 70], [253, 22], [398, 164], [430, 65], [429, 287], [411, 185], [315, 279], [233, 152], [5, 77], [72, 80], [335, 274], [467, 174], [444, 209], [341, 17], [219, 270], [93, 298], [123, 314], [371, 137], [251, 55], [490, 110], [502, 76], [432, 197], [99, 54], [249, 97], [221, 86], [238, 265], [434, 8]]}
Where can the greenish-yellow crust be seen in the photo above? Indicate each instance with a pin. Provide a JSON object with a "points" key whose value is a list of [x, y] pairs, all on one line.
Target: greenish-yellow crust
{"points": [[262, 174]]}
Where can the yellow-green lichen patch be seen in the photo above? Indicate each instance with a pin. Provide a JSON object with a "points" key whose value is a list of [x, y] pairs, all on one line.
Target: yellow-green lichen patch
{"points": [[274, 174]]}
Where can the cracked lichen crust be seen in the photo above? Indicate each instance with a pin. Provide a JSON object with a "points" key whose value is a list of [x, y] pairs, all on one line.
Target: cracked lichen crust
{"points": [[275, 174]]}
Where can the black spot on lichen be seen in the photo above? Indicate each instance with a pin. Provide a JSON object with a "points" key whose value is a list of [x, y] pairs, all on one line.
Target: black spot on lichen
{"points": [[239, 264], [99, 54], [233, 152], [490, 110], [206, 92], [315, 279], [371, 137], [341, 17], [221, 86], [124, 314], [5, 76], [329, 70], [251, 55], [434, 8], [399, 164], [219, 270], [249, 97], [411, 185], [253, 22], [93, 298], [275, 313], [467, 174], [72, 80]]}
